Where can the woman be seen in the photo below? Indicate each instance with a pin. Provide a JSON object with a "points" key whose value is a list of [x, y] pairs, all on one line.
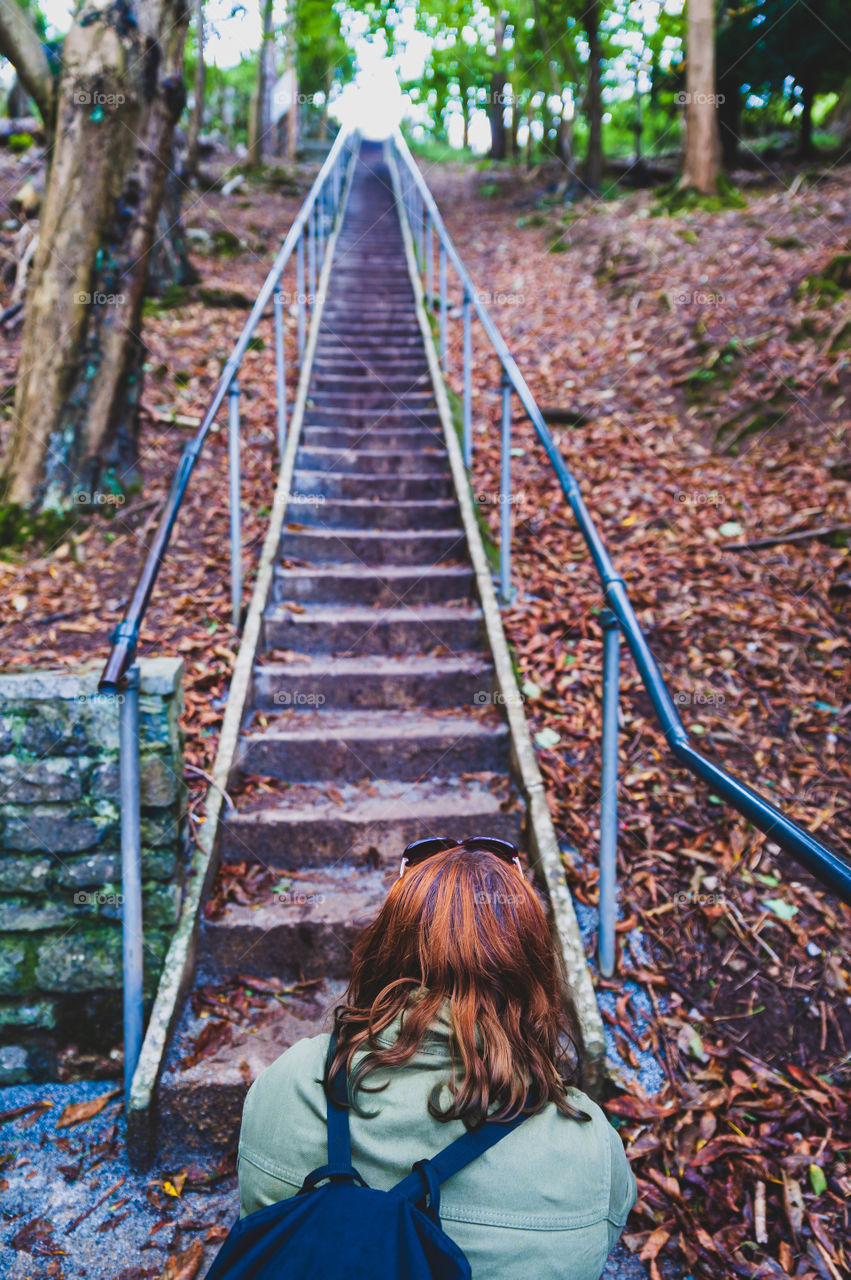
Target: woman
{"points": [[457, 1009]]}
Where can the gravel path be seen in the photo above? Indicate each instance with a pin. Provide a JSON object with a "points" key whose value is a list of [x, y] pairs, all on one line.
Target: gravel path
{"points": [[50, 1176]]}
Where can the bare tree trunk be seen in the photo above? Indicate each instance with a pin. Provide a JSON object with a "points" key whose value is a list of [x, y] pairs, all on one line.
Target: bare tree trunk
{"points": [[638, 125], [530, 141], [702, 166], [805, 137], [292, 121], [193, 133], [497, 112], [323, 119], [79, 379], [728, 120], [21, 45], [564, 144], [515, 125], [292, 67], [594, 99], [261, 114]]}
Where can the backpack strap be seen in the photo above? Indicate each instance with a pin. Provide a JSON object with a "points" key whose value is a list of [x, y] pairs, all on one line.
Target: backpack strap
{"points": [[458, 1154], [339, 1140]]}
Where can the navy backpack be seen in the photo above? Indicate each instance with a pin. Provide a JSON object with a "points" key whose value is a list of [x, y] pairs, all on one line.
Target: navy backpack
{"points": [[346, 1230]]}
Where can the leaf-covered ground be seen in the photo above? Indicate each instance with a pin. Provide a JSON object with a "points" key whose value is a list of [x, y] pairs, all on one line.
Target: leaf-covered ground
{"points": [[651, 334], [699, 367]]}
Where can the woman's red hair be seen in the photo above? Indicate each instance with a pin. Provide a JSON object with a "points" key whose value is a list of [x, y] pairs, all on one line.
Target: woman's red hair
{"points": [[464, 926]]}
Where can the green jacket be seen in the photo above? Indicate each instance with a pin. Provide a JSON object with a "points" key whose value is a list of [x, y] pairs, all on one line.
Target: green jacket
{"points": [[547, 1202]]}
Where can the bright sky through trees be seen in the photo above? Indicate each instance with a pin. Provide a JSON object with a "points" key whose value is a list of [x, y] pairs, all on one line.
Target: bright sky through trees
{"points": [[374, 101]]}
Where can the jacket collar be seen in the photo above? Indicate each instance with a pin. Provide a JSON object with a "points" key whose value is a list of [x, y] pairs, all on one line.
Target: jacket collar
{"points": [[435, 1040]]}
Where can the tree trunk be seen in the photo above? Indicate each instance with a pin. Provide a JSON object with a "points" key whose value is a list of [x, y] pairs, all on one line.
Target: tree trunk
{"points": [[261, 113], [497, 112], [323, 119], [194, 131], [170, 263], [292, 121], [292, 66], [638, 124], [515, 125], [530, 141], [805, 136], [594, 109], [729, 114], [702, 165], [79, 378], [21, 44], [564, 145]]}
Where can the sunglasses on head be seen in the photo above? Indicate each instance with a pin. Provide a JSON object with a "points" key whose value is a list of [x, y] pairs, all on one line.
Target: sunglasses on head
{"points": [[422, 849]]}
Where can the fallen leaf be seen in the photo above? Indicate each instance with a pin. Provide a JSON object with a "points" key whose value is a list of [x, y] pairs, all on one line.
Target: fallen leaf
{"points": [[184, 1266], [77, 1112]]}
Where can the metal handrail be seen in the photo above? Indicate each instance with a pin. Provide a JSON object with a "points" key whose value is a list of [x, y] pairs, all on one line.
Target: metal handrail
{"points": [[826, 865], [126, 635]]}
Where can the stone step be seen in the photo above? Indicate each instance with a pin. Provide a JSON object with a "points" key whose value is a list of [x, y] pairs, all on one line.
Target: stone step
{"points": [[372, 332], [363, 366], [376, 438], [373, 682], [412, 462], [351, 484], [382, 585], [426, 419], [205, 1101], [348, 745], [371, 821], [357, 629], [305, 931], [366, 387], [367, 547], [352, 362], [381, 314], [379, 399], [405, 347], [371, 512]]}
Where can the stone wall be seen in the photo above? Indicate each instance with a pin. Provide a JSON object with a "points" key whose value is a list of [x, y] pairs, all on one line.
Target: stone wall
{"points": [[60, 861]]}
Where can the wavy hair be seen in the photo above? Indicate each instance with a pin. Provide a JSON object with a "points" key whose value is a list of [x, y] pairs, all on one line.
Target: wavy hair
{"points": [[463, 926]]}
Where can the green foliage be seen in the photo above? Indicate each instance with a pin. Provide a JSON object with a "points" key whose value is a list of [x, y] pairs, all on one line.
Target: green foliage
{"points": [[672, 199], [18, 526], [173, 296]]}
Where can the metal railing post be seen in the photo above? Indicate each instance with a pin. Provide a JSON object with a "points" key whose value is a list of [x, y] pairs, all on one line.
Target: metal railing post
{"points": [[131, 873], [429, 263], [468, 380], [311, 257], [235, 517], [443, 301], [317, 213], [280, 367], [505, 494], [300, 287], [609, 793]]}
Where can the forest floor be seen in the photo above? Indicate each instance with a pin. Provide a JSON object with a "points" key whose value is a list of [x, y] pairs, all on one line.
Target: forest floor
{"points": [[700, 362]]}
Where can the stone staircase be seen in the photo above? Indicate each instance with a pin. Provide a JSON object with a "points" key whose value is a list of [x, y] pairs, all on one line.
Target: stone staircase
{"points": [[371, 722]]}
